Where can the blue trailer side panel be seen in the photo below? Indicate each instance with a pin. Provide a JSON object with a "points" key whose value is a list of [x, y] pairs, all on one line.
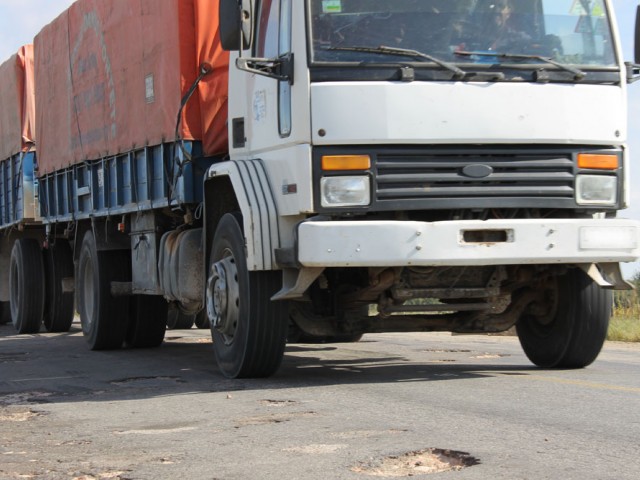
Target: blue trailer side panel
{"points": [[149, 178], [18, 188]]}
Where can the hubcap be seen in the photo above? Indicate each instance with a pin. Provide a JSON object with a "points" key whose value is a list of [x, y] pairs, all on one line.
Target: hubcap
{"points": [[223, 298]]}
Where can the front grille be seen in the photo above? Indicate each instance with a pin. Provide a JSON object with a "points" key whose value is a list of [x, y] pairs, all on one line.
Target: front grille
{"points": [[450, 177], [433, 176]]}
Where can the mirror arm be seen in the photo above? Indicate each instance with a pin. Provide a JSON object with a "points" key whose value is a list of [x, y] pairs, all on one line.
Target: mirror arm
{"points": [[285, 67], [276, 68], [633, 72]]}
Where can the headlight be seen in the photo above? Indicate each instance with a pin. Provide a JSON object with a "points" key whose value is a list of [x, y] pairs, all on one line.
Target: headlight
{"points": [[352, 191], [596, 190]]}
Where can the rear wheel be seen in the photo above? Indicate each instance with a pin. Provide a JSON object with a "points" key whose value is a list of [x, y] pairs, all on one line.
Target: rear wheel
{"points": [[202, 321], [5, 313], [26, 286], [59, 301], [249, 331], [569, 328], [178, 320], [353, 338], [104, 317], [147, 321]]}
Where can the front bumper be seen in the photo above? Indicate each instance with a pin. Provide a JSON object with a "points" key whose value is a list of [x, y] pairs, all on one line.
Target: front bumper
{"points": [[467, 243]]}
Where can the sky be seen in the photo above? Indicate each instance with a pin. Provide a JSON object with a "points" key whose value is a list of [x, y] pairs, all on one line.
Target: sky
{"points": [[21, 20]]}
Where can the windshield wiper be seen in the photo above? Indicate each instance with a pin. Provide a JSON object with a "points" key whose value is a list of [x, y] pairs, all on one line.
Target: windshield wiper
{"points": [[405, 52], [577, 73]]}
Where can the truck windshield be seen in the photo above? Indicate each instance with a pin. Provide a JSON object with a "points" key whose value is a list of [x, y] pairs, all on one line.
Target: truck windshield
{"points": [[570, 32]]}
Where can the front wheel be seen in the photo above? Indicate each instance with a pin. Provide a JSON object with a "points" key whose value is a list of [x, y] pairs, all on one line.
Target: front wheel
{"points": [[249, 330], [568, 328]]}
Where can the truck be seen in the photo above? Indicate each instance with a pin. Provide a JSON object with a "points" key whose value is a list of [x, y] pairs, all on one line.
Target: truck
{"points": [[327, 168]]}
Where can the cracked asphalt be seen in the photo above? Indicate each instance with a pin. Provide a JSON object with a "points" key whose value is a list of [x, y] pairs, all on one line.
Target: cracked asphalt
{"points": [[339, 411]]}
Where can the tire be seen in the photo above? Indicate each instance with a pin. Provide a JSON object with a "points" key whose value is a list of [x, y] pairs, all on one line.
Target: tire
{"points": [[5, 313], [58, 268], [297, 335], [147, 321], [104, 318], [573, 332], [249, 331], [26, 286], [177, 320], [354, 338], [202, 321]]}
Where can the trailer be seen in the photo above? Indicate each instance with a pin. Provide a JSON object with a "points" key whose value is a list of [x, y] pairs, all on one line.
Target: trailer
{"points": [[128, 162], [326, 169], [20, 225]]}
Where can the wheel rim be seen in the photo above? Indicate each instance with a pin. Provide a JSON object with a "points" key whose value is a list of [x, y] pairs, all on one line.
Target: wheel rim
{"points": [[223, 297]]}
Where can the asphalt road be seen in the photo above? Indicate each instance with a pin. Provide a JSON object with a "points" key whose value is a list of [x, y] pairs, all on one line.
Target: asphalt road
{"points": [[333, 411]]}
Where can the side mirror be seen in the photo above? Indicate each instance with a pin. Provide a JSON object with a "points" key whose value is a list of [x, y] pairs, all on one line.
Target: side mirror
{"points": [[636, 55], [236, 20]]}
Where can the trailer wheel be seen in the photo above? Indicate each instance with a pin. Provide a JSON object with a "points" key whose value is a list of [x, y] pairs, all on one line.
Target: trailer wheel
{"points": [[570, 334], [58, 268], [104, 317], [249, 331], [177, 320], [147, 321], [5, 313], [26, 286]]}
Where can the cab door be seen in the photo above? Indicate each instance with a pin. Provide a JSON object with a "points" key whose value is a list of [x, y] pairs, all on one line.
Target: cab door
{"points": [[270, 100]]}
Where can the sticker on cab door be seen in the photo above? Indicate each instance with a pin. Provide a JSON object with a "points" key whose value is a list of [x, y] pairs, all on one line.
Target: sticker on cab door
{"points": [[260, 106], [331, 6]]}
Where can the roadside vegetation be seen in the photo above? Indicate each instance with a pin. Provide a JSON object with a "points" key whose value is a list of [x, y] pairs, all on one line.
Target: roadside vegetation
{"points": [[625, 323]]}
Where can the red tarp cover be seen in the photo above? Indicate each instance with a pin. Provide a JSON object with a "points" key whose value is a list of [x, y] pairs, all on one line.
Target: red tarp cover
{"points": [[110, 76], [17, 111]]}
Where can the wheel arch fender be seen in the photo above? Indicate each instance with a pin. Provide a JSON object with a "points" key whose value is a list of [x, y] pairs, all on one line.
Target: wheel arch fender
{"points": [[244, 186]]}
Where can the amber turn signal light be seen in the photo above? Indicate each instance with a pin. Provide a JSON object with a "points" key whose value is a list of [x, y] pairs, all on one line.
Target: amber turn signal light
{"points": [[346, 162], [598, 161]]}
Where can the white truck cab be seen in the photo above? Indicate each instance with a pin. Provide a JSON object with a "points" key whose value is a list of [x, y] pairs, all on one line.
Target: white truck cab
{"points": [[419, 165]]}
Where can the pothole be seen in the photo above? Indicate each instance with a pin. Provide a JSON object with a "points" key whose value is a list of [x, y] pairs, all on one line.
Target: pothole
{"points": [[485, 356], [24, 398], [146, 381], [316, 449], [20, 415], [423, 462], [355, 434], [111, 474], [448, 350], [271, 419], [278, 403], [13, 357]]}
